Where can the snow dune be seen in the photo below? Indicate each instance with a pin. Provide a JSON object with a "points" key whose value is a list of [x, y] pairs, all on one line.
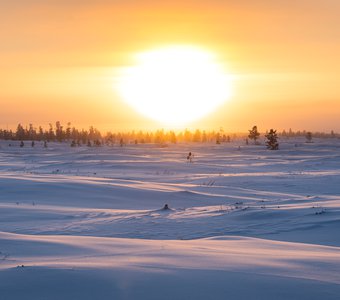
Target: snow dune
{"points": [[221, 266], [88, 223]]}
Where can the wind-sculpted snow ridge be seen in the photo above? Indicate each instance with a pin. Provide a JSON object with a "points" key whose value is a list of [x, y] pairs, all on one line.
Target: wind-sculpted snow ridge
{"points": [[248, 223], [55, 267]]}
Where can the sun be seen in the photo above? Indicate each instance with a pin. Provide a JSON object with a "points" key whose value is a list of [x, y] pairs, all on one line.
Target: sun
{"points": [[175, 85]]}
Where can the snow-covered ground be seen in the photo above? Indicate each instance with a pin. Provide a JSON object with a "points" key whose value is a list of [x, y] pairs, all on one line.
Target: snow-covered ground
{"points": [[248, 223]]}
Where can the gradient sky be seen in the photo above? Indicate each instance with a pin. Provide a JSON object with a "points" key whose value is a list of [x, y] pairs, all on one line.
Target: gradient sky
{"points": [[59, 59]]}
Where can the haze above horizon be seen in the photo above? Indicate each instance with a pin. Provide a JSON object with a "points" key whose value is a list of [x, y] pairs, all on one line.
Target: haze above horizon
{"points": [[60, 60]]}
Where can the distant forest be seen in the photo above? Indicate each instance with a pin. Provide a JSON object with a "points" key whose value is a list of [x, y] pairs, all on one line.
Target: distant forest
{"points": [[92, 136]]}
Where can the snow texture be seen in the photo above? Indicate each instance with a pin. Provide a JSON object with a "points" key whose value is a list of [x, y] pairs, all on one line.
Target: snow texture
{"points": [[242, 223]]}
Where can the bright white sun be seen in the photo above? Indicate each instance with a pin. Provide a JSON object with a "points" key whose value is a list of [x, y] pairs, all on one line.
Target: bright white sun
{"points": [[175, 85]]}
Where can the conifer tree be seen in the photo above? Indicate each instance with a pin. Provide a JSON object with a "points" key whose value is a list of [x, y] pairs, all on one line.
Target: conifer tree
{"points": [[271, 142], [309, 137], [253, 134], [20, 132]]}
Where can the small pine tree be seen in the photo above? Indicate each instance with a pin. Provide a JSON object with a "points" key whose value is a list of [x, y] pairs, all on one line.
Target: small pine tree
{"points": [[271, 142], [332, 134], [253, 134], [309, 137]]}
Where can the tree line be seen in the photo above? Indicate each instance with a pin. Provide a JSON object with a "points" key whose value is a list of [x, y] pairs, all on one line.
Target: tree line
{"points": [[60, 133], [56, 133], [92, 136]]}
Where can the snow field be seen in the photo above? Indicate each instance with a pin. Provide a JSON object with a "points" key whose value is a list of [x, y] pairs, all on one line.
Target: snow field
{"points": [[88, 223]]}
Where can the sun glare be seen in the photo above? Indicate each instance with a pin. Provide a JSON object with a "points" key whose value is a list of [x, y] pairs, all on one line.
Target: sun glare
{"points": [[175, 85]]}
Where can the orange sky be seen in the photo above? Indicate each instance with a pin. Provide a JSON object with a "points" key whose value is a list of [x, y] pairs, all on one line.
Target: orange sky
{"points": [[59, 59]]}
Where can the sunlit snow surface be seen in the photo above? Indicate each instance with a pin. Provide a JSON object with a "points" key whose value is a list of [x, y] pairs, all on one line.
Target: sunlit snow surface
{"points": [[248, 223]]}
